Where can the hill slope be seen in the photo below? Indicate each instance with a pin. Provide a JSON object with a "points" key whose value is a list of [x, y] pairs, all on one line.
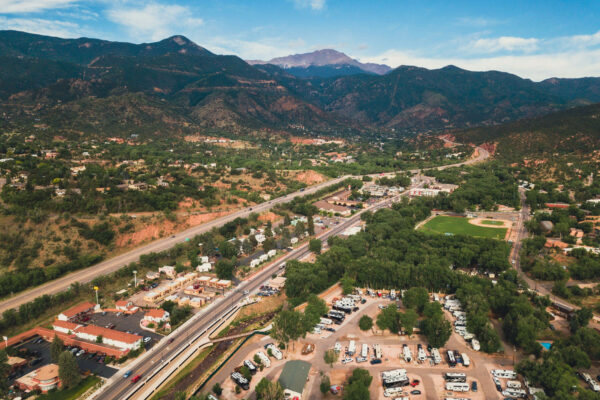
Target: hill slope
{"points": [[572, 131]]}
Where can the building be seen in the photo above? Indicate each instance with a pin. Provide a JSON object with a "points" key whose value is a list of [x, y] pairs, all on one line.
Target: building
{"points": [[16, 362], [327, 207], [43, 379], [277, 283], [65, 326], [168, 270], [125, 305], [204, 267], [157, 316], [111, 337], [77, 312], [293, 378]]}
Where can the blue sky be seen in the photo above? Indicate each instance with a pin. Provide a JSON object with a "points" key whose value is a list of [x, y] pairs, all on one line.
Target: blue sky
{"points": [[533, 39]]}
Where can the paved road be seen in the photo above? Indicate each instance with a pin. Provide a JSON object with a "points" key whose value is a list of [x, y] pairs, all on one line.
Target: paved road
{"points": [[113, 264], [121, 388], [164, 350]]}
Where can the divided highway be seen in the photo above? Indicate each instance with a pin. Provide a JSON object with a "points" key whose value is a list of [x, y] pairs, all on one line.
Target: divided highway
{"points": [[113, 264]]}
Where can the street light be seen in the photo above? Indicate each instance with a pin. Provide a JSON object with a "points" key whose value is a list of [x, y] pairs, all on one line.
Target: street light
{"points": [[134, 279], [96, 290]]}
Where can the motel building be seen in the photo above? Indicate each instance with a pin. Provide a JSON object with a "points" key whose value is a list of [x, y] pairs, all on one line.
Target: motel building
{"points": [[43, 379], [90, 333], [156, 316], [79, 311]]}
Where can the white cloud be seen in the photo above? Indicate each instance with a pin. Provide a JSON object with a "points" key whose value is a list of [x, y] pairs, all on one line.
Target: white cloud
{"points": [[478, 22], [42, 26], [316, 5], [154, 21], [505, 43], [574, 64], [30, 6]]}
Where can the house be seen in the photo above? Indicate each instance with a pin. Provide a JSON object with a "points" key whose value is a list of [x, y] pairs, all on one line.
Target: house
{"points": [[16, 362], [79, 311], [277, 283], [152, 275], [223, 284], [557, 205], [43, 379], [156, 316], [168, 270], [76, 170], [124, 305], [204, 267]]}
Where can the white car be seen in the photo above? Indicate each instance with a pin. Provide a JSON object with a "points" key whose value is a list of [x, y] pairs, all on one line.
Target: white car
{"points": [[80, 353], [147, 339], [347, 360]]}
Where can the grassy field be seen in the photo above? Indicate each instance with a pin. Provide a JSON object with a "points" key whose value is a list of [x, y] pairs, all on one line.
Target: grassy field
{"points": [[457, 226], [491, 222]]}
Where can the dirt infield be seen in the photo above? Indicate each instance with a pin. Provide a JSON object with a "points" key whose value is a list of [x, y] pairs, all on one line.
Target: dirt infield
{"points": [[479, 222], [505, 224]]}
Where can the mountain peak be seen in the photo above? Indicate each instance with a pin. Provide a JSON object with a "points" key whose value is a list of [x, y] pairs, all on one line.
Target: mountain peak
{"points": [[325, 58]]}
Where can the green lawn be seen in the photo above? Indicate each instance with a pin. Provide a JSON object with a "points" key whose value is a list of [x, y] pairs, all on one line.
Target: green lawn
{"points": [[458, 225], [491, 222], [73, 393]]}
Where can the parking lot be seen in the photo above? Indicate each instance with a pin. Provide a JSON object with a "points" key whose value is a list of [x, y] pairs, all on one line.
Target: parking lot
{"points": [[84, 361], [125, 323]]}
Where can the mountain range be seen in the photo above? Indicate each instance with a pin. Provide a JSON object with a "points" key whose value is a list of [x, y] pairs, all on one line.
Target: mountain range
{"points": [[91, 86]]}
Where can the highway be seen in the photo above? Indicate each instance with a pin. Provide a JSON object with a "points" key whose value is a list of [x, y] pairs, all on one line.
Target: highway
{"points": [[113, 264], [148, 363], [120, 388]]}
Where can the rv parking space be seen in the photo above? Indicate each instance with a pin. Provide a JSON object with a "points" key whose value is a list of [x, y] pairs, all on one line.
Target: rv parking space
{"points": [[125, 323], [84, 362]]}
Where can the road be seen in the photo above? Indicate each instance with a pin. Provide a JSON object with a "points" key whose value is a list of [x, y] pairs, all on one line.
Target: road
{"points": [[113, 264], [122, 388], [164, 350]]}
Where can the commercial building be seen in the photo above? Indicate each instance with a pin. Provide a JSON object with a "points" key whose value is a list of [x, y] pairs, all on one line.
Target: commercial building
{"points": [[293, 378], [157, 316], [43, 379], [77, 312]]}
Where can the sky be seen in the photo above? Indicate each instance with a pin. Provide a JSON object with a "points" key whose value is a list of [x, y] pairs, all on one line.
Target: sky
{"points": [[533, 39]]}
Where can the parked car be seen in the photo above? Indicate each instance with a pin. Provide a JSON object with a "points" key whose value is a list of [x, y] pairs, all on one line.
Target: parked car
{"points": [[474, 386], [415, 382], [375, 361], [80, 353], [147, 339], [415, 392]]}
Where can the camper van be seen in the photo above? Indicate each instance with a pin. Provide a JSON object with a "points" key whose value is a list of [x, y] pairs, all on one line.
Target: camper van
{"points": [[406, 353], [457, 387], [455, 377]]}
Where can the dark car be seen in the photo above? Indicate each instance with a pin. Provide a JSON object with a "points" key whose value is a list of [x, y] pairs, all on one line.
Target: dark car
{"points": [[415, 392], [375, 361], [474, 386]]}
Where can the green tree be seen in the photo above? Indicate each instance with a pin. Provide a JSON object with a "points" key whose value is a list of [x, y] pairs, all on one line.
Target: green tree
{"points": [[437, 330], [389, 319], [217, 389], [315, 245], [330, 356], [408, 320], [365, 323], [325, 384], [4, 371], [311, 225], [267, 390], [288, 325], [56, 348], [68, 370], [347, 284], [416, 298], [225, 269], [299, 229], [358, 385], [581, 318]]}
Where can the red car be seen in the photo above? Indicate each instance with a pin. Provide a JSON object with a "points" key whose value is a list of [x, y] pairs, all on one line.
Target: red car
{"points": [[415, 382], [136, 378]]}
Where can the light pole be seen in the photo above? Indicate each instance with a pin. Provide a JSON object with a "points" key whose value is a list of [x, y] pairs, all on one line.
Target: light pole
{"points": [[134, 279], [96, 290]]}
